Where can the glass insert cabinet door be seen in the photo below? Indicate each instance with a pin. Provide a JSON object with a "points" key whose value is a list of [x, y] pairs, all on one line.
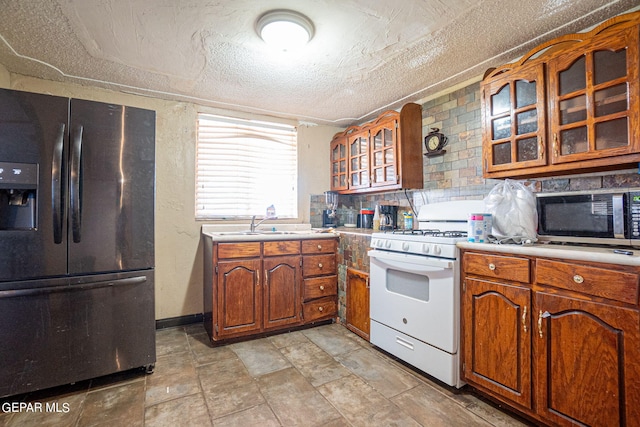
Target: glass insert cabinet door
{"points": [[383, 154], [594, 99], [359, 160], [514, 120], [339, 164]]}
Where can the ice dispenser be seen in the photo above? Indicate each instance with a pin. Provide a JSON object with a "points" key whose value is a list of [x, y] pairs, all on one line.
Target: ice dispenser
{"points": [[18, 195]]}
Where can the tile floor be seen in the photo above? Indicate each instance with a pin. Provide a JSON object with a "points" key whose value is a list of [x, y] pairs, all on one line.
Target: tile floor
{"points": [[324, 376]]}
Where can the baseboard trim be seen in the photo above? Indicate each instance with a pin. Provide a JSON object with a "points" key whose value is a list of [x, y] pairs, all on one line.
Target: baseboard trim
{"points": [[172, 322]]}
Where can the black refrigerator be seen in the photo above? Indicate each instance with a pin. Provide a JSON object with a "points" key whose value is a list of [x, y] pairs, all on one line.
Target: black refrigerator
{"points": [[77, 195]]}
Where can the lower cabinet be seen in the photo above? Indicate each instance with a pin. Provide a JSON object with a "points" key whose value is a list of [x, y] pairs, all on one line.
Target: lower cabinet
{"points": [[320, 274], [357, 315], [238, 281], [587, 357], [257, 287], [501, 365], [281, 291], [562, 347]]}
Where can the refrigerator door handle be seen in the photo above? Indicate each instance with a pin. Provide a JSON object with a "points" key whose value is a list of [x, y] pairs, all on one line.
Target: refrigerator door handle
{"points": [[66, 288], [56, 185], [76, 183]]}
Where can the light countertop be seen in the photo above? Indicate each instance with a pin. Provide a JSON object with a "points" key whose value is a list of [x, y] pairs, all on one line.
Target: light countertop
{"points": [[266, 231], [568, 252]]}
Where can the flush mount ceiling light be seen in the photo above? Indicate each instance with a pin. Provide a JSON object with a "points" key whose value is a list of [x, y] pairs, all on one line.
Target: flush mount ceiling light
{"points": [[284, 29]]}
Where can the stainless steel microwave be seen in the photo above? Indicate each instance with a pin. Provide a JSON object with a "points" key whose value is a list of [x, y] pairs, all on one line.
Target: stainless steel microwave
{"points": [[610, 217]]}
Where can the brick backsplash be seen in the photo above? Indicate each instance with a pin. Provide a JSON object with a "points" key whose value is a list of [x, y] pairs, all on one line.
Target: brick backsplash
{"points": [[457, 174]]}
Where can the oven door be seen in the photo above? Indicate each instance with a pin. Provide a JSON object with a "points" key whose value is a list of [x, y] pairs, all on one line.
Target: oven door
{"points": [[416, 295]]}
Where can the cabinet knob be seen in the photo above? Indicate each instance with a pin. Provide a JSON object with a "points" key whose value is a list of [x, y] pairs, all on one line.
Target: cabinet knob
{"points": [[319, 247], [320, 308], [492, 266], [319, 265], [321, 288], [578, 278]]}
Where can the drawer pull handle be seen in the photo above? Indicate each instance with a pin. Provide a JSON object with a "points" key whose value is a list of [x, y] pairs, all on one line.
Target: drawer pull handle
{"points": [[492, 266], [319, 247], [524, 319], [321, 288], [319, 265], [320, 308], [578, 278]]}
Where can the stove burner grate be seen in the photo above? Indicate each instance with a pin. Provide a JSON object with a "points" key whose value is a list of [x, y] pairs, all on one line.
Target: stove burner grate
{"points": [[431, 232]]}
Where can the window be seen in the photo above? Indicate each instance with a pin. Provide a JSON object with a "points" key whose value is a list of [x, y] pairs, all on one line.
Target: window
{"points": [[245, 166]]}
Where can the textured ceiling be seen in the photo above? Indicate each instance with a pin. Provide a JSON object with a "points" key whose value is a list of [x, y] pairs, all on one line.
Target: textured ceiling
{"points": [[367, 56]]}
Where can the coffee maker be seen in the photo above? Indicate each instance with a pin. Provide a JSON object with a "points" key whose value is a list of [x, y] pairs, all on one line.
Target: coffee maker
{"points": [[329, 216], [388, 217]]}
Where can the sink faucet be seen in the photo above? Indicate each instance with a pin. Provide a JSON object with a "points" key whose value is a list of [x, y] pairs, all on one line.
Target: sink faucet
{"points": [[253, 225]]}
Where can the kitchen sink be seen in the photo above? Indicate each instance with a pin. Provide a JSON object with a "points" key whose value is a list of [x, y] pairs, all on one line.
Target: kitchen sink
{"points": [[241, 232], [256, 233]]}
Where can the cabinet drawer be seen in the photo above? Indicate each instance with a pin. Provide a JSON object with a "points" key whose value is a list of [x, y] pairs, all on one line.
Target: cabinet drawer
{"points": [[316, 265], [239, 250], [319, 309], [319, 287], [319, 246], [601, 282], [499, 267], [286, 247]]}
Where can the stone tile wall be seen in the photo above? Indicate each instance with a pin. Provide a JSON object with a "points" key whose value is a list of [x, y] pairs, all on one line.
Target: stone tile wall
{"points": [[352, 253]]}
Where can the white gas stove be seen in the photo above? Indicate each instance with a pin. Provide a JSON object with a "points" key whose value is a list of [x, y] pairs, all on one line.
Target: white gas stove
{"points": [[415, 290]]}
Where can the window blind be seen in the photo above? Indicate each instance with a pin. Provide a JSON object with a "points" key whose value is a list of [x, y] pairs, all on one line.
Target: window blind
{"points": [[244, 166]]}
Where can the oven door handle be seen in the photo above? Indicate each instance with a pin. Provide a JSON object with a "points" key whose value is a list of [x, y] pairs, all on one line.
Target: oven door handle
{"points": [[400, 261]]}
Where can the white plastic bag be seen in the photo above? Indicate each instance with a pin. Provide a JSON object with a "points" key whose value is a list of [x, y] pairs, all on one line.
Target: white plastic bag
{"points": [[513, 206]]}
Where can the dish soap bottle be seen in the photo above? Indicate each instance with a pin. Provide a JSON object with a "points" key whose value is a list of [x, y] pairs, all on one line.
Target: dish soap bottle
{"points": [[408, 220], [376, 219]]}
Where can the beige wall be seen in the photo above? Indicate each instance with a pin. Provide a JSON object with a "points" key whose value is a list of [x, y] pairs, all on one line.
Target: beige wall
{"points": [[177, 234]]}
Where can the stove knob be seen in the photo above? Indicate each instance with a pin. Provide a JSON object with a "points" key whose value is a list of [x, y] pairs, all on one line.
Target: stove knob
{"points": [[379, 243], [436, 250], [405, 246], [425, 248], [388, 244]]}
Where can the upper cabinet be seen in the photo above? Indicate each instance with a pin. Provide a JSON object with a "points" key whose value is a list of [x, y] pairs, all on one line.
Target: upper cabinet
{"points": [[339, 164], [385, 154], [570, 105], [514, 118]]}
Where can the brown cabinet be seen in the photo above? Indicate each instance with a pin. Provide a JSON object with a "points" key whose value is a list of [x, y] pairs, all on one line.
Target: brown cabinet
{"points": [[570, 105], [238, 280], [382, 155], [513, 117], [563, 347], [586, 359], [255, 287], [339, 164], [497, 327], [593, 99], [281, 291], [358, 155], [383, 139], [320, 279], [357, 315]]}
